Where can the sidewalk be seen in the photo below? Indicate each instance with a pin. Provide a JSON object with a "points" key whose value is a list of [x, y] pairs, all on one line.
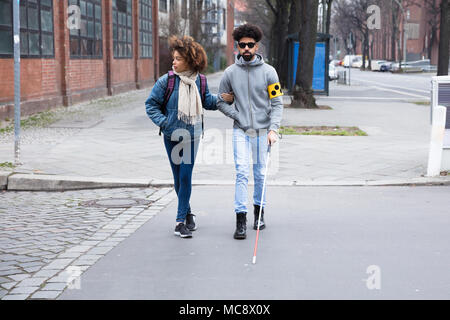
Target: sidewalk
{"points": [[121, 145]]}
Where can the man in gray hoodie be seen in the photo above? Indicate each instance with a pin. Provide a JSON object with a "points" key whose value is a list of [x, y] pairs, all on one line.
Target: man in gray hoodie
{"points": [[257, 112]]}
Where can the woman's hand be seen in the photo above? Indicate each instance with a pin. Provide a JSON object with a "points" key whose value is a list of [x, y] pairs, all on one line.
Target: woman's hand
{"points": [[228, 97]]}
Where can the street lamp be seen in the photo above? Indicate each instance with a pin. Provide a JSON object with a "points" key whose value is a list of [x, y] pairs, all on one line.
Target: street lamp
{"points": [[16, 29], [404, 30]]}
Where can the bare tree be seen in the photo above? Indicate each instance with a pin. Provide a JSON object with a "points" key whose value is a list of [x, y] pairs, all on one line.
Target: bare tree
{"points": [[303, 93], [259, 13], [174, 25], [432, 11], [279, 30], [195, 16], [444, 34]]}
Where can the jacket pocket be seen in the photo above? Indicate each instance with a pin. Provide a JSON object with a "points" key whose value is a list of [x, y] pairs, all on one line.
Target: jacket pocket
{"points": [[262, 119], [241, 120]]}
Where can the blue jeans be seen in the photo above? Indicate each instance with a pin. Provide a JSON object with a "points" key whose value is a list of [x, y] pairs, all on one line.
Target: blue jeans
{"points": [[182, 157], [243, 146]]}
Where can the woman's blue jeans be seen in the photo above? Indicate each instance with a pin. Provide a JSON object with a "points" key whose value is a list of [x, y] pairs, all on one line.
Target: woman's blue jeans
{"points": [[182, 157]]}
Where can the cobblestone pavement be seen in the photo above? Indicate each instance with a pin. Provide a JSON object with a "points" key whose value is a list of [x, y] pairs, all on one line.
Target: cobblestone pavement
{"points": [[47, 240]]}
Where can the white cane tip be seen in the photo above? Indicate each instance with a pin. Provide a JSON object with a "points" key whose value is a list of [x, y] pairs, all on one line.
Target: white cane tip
{"points": [[254, 260]]}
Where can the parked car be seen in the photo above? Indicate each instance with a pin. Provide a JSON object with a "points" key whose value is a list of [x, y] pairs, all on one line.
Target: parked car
{"points": [[430, 68], [414, 66], [375, 65], [335, 62], [332, 72], [386, 66], [357, 62], [395, 66]]}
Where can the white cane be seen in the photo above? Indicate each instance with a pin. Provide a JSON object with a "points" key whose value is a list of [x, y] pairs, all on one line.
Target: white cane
{"points": [[261, 204]]}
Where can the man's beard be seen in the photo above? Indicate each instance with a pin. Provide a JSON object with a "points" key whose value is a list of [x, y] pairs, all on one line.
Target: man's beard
{"points": [[248, 57]]}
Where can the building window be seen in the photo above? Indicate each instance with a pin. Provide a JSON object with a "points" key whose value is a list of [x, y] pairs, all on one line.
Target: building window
{"points": [[86, 42], [36, 29], [145, 29], [122, 28], [224, 17], [163, 5]]}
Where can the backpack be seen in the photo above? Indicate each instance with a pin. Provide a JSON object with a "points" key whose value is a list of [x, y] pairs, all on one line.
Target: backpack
{"points": [[170, 87]]}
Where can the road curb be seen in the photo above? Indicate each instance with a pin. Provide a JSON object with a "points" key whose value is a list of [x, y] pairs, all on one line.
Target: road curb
{"points": [[4, 179], [40, 182]]}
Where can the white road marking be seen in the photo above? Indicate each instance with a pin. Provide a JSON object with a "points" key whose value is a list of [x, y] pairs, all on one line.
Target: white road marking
{"points": [[401, 92], [398, 87], [363, 98]]}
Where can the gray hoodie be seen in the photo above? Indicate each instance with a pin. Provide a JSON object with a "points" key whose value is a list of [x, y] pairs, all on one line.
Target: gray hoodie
{"points": [[252, 107]]}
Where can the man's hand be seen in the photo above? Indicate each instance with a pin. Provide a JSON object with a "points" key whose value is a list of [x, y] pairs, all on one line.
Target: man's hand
{"points": [[272, 137]]}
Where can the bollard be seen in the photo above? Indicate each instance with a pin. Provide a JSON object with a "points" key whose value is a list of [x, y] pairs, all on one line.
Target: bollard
{"points": [[436, 141]]}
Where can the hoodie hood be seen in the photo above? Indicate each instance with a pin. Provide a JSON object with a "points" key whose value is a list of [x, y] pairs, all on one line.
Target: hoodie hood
{"points": [[239, 60]]}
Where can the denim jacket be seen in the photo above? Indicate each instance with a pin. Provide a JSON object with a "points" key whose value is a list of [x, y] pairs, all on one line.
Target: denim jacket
{"points": [[169, 122]]}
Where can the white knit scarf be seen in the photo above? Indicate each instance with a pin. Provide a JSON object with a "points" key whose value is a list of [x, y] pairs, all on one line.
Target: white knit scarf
{"points": [[190, 108]]}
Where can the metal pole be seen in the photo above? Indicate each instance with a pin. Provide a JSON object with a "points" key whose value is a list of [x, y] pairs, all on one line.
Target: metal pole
{"points": [[16, 21], [404, 37], [350, 46]]}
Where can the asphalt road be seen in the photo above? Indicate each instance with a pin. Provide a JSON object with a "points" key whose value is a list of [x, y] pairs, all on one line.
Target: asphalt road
{"points": [[320, 243], [383, 86]]}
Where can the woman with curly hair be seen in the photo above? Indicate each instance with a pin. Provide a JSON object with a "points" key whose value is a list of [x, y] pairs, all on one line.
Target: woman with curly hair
{"points": [[180, 119]]}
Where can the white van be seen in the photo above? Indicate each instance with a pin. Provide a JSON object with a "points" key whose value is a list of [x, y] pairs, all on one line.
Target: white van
{"points": [[348, 60]]}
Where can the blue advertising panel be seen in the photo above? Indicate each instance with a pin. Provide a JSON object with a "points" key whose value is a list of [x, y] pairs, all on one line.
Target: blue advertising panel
{"points": [[319, 69]]}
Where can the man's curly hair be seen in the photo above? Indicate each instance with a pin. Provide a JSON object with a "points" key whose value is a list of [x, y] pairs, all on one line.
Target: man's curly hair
{"points": [[247, 31], [190, 50]]}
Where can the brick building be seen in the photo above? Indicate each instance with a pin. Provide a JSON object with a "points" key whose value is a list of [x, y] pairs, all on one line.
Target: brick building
{"points": [[76, 50], [215, 23], [422, 29]]}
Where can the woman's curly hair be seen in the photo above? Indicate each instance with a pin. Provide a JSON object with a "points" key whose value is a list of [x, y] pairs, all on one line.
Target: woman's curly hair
{"points": [[190, 50], [247, 31]]}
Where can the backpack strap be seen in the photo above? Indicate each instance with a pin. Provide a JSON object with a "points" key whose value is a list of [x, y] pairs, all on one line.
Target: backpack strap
{"points": [[168, 93], [203, 94], [203, 86]]}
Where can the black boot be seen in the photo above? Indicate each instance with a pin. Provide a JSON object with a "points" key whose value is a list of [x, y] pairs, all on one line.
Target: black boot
{"points": [[241, 225], [262, 225]]}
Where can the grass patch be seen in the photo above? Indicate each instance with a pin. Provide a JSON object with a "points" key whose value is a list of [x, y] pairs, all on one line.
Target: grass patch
{"points": [[7, 165], [41, 119], [322, 131], [421, 103]]}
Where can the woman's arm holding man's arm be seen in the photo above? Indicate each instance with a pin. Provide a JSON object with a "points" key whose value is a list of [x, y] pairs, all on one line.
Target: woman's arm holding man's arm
{"points": [[154, 103], [223, 106]]}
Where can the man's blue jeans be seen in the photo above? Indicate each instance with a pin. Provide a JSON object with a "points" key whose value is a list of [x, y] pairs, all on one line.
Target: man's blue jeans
{"points": [[243, 147], [182, 157]]}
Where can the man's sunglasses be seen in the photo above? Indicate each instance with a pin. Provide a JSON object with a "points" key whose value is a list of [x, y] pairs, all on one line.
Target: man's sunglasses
{"points": [[250, 45]]}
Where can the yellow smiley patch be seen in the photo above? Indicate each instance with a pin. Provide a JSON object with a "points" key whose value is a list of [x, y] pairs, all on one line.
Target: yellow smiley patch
{"points": [[274, 90]]}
